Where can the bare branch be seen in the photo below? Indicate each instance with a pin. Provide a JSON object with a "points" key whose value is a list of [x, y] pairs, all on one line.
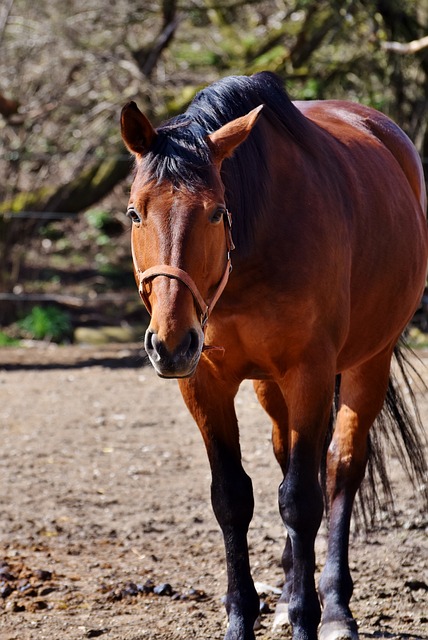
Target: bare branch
{"points": [[406, 47], [163, 40], [147, 58], [4, 15]]}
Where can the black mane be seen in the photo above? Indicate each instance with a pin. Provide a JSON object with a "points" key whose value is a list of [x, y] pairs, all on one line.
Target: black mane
{"points": [[181, 155]]}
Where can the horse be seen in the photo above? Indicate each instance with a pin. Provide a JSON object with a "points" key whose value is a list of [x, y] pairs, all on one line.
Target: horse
{"points": [[320, 206]]}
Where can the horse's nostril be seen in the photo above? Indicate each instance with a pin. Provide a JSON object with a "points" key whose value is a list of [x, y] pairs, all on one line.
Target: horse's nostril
{"points": [[189, 345], [148, 341], [194, 341], [153, 345]]}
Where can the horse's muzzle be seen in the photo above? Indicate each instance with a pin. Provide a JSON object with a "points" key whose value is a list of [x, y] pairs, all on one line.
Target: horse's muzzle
{"points": [[179, 363]]}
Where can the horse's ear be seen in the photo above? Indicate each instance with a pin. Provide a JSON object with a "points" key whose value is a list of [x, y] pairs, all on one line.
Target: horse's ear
{"points": [[224, 141], [137, 132]]}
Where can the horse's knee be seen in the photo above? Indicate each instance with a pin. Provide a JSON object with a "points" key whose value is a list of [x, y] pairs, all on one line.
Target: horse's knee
{"points": [[232, 498], [300, 504]]}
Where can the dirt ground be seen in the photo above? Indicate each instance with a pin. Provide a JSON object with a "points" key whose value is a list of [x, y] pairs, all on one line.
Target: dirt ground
{"points": [[106, 528]]}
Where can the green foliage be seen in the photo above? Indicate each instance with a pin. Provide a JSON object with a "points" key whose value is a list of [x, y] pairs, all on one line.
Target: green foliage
{"points": [[417, 339], [46, 323], [97, 218], [104, 224], [7, 341], [52, 231]]}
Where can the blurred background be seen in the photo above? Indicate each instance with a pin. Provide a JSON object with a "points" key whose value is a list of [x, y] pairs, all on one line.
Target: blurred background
{"points": [[67, 68]]}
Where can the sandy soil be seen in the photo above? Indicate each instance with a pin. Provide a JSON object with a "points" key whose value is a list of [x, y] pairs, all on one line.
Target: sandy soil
{"points": [[104, 496]]}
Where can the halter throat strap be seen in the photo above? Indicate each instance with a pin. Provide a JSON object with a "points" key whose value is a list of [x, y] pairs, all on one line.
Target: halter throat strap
{"points": [[204, 307]]}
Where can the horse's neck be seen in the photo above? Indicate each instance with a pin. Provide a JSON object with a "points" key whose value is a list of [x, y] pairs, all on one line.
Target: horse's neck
{"points": [[268, 199]]}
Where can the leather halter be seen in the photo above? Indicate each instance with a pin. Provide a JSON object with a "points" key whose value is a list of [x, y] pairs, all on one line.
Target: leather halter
{"points": [[204, 307]]}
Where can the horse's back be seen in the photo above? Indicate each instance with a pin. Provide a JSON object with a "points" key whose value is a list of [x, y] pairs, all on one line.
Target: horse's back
{"points": [[349, 120]]}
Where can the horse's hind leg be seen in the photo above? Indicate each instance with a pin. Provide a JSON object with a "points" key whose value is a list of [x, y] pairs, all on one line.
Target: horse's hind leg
{"points": [[272, 401], [361, 399]]}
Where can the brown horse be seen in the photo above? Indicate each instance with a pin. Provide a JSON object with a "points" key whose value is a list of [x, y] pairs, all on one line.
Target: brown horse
{"points": [[328, 204]]}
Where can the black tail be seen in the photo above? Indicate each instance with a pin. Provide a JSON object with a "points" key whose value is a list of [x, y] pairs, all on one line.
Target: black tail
{"points": [[398, 430]]}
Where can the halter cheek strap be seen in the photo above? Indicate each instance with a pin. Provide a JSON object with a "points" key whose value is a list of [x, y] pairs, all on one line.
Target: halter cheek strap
{"points": [[204, 307]]}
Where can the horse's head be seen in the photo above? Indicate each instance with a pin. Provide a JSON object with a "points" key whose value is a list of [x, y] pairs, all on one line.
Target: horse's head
{"points": [[181, 237]]}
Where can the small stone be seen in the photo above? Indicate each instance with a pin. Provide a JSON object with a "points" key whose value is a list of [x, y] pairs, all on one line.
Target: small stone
{"points": [[5, 574], [130, 589], [415, 585], [46, 591], [147, 587], [114, 595], [37, 605], [163, 589], [15, 607], [5, 590], [264, 607], [194, 594], [41, 574]]}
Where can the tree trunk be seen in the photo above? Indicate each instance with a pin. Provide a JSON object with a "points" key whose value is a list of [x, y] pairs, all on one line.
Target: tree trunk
{"points": [[18, 216]]}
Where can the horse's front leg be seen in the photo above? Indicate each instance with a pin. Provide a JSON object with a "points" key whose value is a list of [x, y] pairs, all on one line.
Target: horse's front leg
{"points": [[211, 402], [308, 392]]}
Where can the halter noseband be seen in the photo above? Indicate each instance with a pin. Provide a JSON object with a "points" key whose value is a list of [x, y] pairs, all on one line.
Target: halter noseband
{"points": [[204, 307]]}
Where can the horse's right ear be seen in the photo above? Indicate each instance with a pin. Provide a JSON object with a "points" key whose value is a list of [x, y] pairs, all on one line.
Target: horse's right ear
{"points": [[137, 132], [224, 141]]}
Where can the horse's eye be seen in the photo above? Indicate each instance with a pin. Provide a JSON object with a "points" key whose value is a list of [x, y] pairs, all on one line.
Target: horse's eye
{"points": [[133, 214], [218, 214]]}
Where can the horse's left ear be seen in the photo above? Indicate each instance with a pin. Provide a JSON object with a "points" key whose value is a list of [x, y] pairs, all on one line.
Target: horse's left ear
{"points": [[137, 131], [224, 141]]}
